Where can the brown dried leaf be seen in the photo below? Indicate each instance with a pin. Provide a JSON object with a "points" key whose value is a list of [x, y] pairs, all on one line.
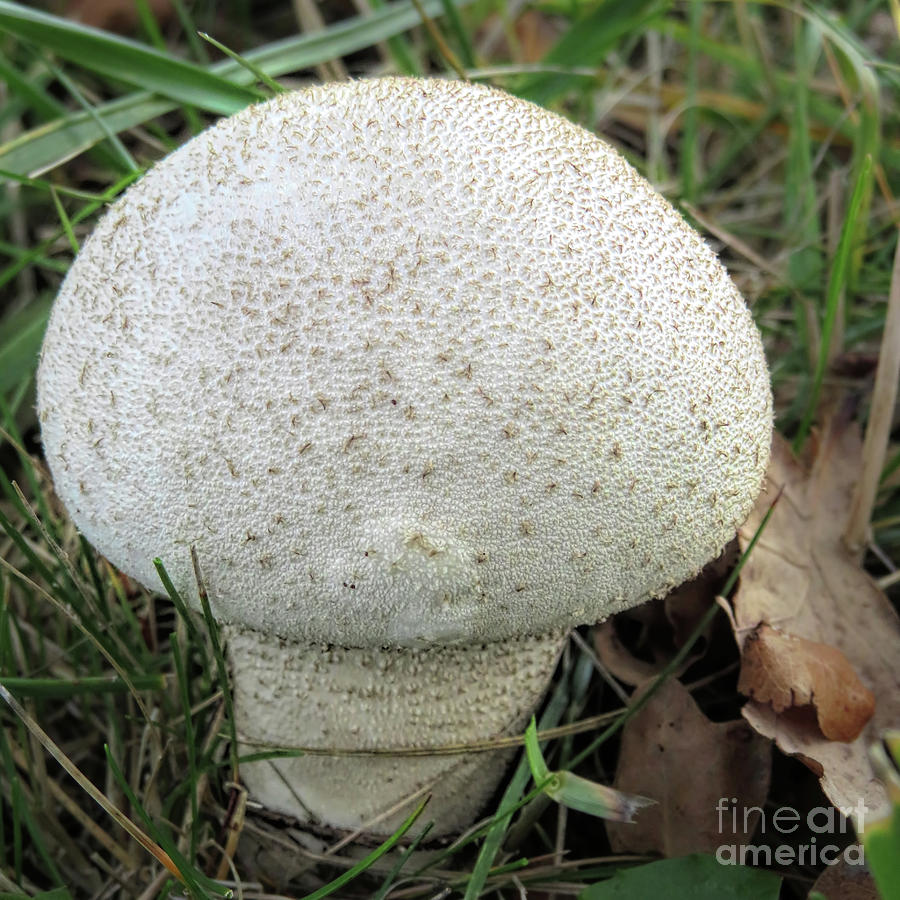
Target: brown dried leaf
{"points": [[620, 661], [662, 626], [673, 754], [845, 882], [803, 580], [787, 671]]}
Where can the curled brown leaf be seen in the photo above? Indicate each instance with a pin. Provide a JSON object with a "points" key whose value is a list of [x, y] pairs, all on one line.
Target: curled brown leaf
{"points": [[788, 671]]}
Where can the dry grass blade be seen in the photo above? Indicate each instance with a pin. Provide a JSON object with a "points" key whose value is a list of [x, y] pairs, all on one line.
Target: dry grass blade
{"points": [[74, 810], [582, 726], [878, 431], [88, 786]]}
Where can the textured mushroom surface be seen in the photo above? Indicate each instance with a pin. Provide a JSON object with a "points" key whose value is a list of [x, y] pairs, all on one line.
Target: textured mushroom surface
{"points": [[364, 700], [410, 362]]}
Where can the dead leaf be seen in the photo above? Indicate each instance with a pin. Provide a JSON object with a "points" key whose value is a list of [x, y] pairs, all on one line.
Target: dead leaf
{"points": [[801, 579], [666, 741], [618, 658], [688, 603], [787, 671], [844, 882], [639, 643]]}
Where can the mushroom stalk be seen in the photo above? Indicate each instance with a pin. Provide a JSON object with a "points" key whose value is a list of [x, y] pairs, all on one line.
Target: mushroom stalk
{"points": [[367, 701]]}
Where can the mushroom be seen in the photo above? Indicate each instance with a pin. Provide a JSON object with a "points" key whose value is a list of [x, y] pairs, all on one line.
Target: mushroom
{"points": [[427, 375]]}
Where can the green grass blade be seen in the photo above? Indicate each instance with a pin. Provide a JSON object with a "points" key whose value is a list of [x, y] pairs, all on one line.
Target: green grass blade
{"points": [[364, 864], [43, 148], [39, 261], [149, 24], [836, 285], [800, 201], [401, 52], [66, 223], [864, 119], [24, 819], [177, 601], [190, 32], [189, 740], [675, 663], [126, 160], [576, 792], [198, 884], [688, 162], [126, 60], [509, 803], [536, 762], [37, 564], [23, 332], [59, 688], [8, 486], [392, 876], [587, 43], [48, 187], [251, 67], [460, 33], [39, 250], [219, 656], [37, 100]]}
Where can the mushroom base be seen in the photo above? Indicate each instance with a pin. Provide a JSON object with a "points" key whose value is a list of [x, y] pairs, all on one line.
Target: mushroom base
{"points": [[289, 695]]}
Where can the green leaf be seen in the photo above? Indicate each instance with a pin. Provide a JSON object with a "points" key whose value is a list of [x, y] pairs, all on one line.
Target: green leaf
{"points": [[881, 838], [696, 877], [576, 792], [126, 60], [595, 799], [882, 845]]}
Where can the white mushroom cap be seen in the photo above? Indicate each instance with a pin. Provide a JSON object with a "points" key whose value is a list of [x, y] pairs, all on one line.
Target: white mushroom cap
{"points": [[410, 362]]}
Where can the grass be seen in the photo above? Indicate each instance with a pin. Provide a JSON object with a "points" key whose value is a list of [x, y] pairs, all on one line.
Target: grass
{"points": [[774, 127]]}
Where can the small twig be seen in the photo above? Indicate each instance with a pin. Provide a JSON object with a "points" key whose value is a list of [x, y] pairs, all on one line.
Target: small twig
{"points": [[234, 825]]}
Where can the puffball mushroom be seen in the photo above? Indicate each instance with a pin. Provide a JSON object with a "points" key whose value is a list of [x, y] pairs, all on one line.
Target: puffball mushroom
{"points": [[427, 375]]}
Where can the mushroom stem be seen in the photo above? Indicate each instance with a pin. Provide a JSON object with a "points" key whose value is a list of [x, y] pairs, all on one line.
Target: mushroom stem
{"points": [[356, 700]]}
